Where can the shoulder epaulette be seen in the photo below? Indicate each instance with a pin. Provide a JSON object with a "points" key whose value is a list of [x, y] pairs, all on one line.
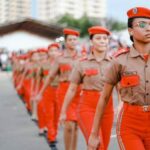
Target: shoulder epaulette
{"points": [[60, 54], [121, 51], [83, 58]]}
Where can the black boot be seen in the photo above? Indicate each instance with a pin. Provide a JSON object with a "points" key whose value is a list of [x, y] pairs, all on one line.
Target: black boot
{"points": [[53, 146]]}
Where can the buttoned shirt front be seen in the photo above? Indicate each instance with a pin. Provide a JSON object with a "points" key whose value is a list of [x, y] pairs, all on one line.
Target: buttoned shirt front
{"points": [[89, 72], [132, 73], [63, 66]]}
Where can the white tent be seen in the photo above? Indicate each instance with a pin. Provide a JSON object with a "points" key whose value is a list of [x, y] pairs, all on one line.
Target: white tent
{"points": [[23, 40], [28, 34]]}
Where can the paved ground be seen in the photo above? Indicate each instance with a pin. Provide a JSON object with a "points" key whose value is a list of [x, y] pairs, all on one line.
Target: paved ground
{"points": [[17, 131]]}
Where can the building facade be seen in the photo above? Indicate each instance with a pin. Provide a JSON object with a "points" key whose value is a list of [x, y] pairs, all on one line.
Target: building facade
{"points": [[53, 9], [49, 10], [14, 10]]}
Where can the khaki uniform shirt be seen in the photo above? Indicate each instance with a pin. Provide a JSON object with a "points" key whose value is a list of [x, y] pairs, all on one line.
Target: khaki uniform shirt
{"points": [[45, 69], [31, 69], [89, 73], [63, 66], [132, 73]]}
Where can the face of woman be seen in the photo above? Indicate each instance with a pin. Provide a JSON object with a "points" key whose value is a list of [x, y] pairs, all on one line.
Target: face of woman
{"points": [[43, 56], [100, 42], [35, 57], [53, 51], [22, 62], [140, 30], [71, 41]]}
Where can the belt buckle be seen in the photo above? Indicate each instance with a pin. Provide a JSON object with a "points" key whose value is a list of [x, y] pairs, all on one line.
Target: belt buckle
{"points": [[145, 108]]}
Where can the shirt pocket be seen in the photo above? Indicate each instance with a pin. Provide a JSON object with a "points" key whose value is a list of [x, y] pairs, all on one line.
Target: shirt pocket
{"points": [[45, 72], [65, 67], [91, 72], [129, 79]]}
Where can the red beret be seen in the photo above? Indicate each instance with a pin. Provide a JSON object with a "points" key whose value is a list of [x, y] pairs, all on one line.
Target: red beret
{"points": [[67, 31], [138, 12], [32, 52], [40, 50], [98, 30], [54, 45], [23, 56], [19, 57], [26, 56]]}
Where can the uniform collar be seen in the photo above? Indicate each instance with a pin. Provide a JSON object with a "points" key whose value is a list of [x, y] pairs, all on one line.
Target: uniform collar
{"points": [[134, 52], [67, 54], [105, 57]]}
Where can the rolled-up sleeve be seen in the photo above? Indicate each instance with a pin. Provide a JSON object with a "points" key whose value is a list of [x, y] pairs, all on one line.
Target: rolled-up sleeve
{"points": [[112, 74], [76, 74], [55, 69]]}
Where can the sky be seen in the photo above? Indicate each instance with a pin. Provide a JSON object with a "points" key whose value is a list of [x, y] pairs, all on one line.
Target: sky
{"points": [[115, 8], [118, 8], [34, 11]]}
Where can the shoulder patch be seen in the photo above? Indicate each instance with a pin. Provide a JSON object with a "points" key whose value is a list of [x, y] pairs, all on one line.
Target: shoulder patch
{"points": [[121, 51]]}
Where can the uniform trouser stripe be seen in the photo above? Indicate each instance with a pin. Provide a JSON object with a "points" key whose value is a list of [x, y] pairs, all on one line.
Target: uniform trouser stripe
{"points": [[119, 122]]}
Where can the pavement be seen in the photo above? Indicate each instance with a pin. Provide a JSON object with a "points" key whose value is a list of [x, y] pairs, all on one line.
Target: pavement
{"points": [[18, 132]]}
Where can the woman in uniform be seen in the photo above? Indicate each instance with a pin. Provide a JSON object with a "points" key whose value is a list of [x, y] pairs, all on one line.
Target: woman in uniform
{"points": [[131, 71], [89, 73], [27, 80], [62, 67]]}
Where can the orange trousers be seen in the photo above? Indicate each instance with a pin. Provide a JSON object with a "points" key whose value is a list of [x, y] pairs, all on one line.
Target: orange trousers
{"points": [[14, 78], [133, 128], [51, 114], [21, 90], [27, 93], [86, 112], [72, 109], [41, 113], [41, 110], [47, 112]]}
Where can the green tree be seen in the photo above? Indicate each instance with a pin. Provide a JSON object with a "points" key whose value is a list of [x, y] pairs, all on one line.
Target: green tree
{"points": [[115, 25], [81, 24], [84, 23]]}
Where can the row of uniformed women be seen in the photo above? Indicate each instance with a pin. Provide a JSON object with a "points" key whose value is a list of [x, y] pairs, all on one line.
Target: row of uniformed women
{"points": [[62, 68], [93, 77], [80, 83], [89, 72], [29, 73]]}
